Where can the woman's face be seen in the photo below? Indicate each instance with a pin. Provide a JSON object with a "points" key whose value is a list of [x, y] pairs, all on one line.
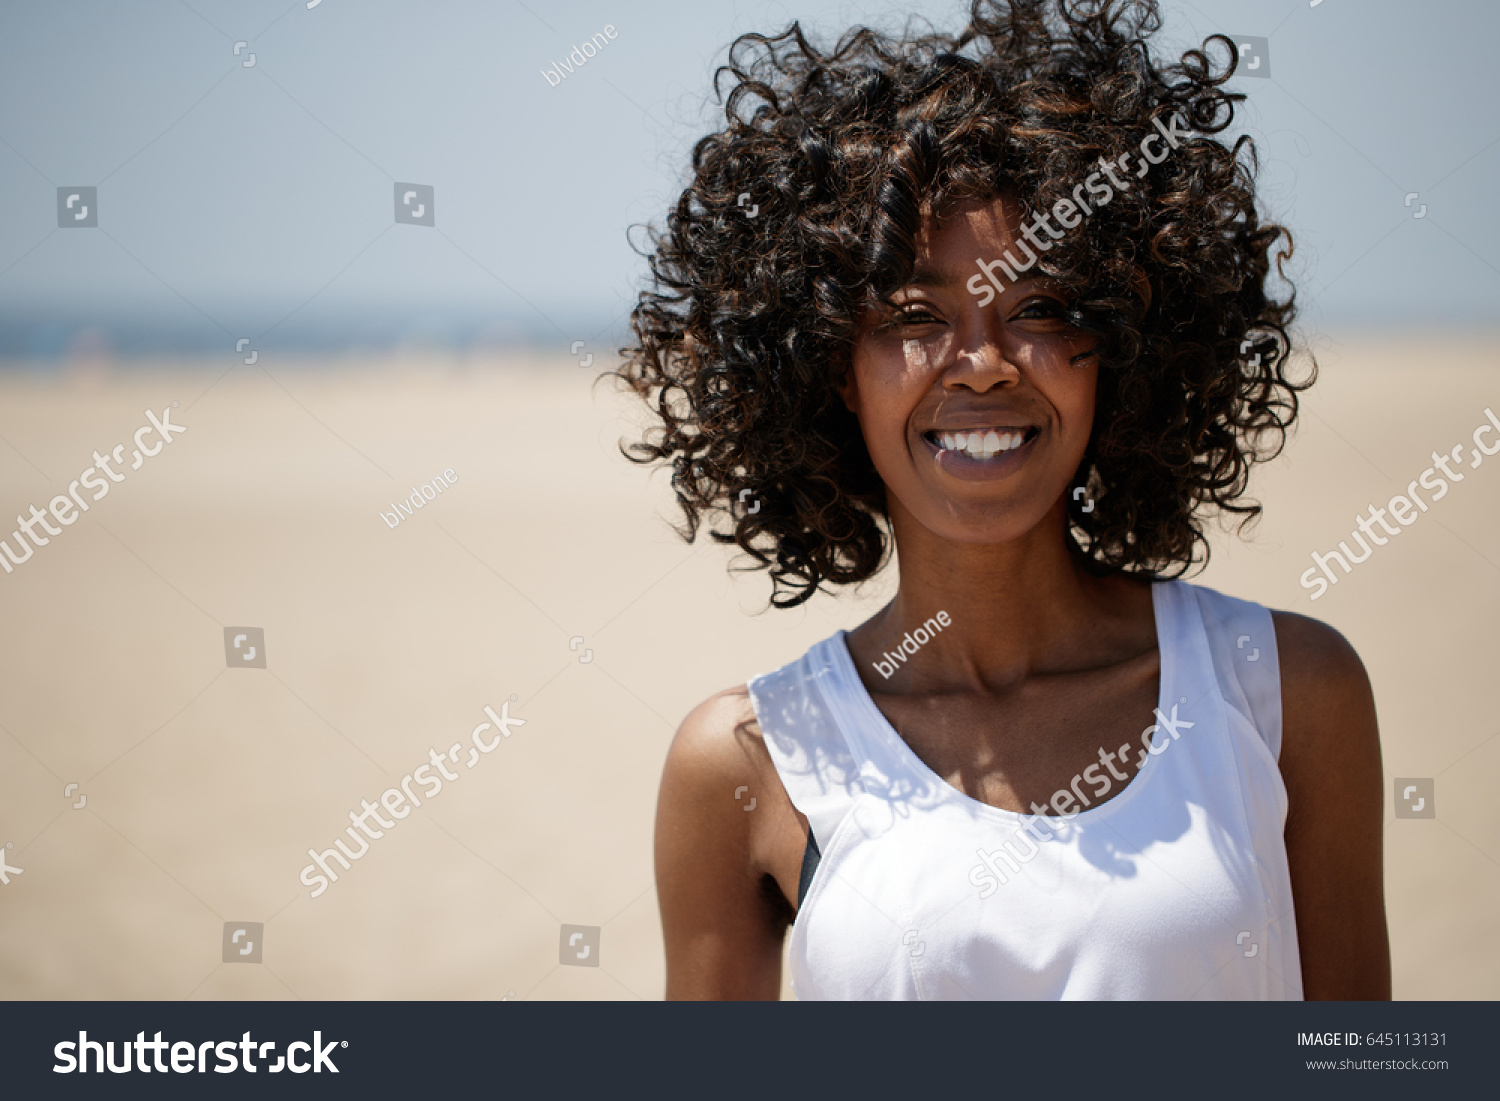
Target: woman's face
{"points": [[976, 417]]}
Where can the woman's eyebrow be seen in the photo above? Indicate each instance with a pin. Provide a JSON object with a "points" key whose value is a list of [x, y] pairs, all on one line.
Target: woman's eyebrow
{"points": [[932, 277], [937, 277]]}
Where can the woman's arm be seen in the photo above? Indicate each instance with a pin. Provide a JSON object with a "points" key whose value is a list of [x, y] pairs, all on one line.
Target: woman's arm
{"points": [[724, 916], [1330, 761]]}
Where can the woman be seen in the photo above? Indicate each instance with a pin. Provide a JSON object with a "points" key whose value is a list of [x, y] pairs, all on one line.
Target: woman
{"points": [[1001, 300]]}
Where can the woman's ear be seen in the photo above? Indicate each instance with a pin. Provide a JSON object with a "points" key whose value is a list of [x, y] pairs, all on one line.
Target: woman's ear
{"points": [[847, 387]]}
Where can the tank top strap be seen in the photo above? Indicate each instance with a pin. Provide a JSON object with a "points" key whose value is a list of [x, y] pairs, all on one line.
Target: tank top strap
{"points": [[795, 708], [1241, 639]]}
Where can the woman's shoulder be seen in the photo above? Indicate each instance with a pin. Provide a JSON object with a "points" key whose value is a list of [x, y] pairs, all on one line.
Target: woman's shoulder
{"points": [[756, 737], [1312, 646], [727, 725], [1320, 670], [1330, 740], [718, 738], [718, 767], [715, 764]]}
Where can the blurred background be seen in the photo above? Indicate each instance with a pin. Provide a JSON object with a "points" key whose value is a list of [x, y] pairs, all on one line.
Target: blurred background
{"points": [[350, 247]]}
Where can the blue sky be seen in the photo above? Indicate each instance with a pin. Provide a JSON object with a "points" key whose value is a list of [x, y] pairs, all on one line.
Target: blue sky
{"points": [[258, 200]]}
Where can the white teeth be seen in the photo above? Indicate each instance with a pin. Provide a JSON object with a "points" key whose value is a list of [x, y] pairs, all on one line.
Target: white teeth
{"points": [[984, 444]]}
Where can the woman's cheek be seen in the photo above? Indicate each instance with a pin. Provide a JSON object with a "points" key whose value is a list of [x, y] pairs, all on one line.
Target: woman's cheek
{"points": [[915, 353]]}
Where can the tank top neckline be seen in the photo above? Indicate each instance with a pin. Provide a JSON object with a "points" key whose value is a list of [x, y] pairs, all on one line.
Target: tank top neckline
{"points": [[852, 691]]}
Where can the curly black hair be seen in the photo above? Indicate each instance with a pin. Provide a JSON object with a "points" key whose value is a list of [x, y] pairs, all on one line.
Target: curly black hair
{"points": [[802, 215]]}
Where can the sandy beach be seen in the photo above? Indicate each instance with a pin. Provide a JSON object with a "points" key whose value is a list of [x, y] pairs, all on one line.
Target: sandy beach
{"points": [[545, 581]]}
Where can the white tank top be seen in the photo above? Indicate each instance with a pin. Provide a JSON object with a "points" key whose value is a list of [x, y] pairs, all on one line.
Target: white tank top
{"points": [[1176, 887]]}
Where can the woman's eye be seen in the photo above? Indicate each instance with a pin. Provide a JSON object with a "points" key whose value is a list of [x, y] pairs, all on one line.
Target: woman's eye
{"points": [[1040, 309], [905, 317]]}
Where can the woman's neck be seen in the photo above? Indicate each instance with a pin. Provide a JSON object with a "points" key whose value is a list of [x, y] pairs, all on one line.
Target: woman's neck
{"points": [[1012, 610]]}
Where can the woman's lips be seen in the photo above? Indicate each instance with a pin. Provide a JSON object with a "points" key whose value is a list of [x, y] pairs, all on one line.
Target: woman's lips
{"points": [[981, 443], [981, 454]]}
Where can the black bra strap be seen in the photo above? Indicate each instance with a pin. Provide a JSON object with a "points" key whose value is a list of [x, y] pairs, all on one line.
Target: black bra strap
{"points": [[810, 858]]}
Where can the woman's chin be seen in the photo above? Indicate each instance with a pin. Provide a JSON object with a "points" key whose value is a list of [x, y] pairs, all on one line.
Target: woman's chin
{"points": [[979, 524]]}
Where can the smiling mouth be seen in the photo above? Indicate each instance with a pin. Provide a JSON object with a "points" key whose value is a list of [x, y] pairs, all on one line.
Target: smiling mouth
{"points": [[981, 443]]}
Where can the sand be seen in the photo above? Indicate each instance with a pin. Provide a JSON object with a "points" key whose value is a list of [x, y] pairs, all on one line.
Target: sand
{"points": [[547, 571]]}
